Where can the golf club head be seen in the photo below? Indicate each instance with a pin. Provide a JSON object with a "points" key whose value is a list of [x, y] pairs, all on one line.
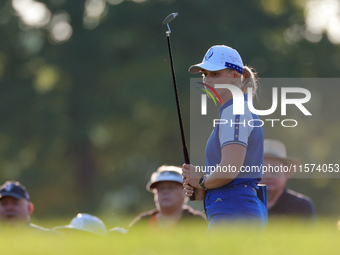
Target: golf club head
{"points": [[169, 18]]}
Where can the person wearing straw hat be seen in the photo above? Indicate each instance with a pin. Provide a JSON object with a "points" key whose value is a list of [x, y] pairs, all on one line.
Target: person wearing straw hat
{"points": [[171, 209], [280, 200]]}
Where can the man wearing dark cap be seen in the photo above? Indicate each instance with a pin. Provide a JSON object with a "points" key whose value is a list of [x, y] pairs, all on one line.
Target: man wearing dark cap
{"points": [[171, 210], [283, 202], [15, 205]]}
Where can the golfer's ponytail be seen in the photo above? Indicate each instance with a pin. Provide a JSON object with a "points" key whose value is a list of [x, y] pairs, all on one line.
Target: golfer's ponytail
{"points": [[249, 79]]}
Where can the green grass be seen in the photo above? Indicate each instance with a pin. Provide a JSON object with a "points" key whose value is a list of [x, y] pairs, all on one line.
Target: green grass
{"points": [[281, 237]]}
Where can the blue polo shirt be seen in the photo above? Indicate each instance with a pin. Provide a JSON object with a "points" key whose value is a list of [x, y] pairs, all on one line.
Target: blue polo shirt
{"points": [[245, 130]]}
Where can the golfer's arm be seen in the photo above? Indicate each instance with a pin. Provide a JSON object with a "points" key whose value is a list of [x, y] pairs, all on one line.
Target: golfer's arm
{"points": [[233, 156]]}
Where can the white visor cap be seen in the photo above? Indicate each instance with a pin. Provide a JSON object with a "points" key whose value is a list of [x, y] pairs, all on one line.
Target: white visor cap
{"points": [[165, 173]]}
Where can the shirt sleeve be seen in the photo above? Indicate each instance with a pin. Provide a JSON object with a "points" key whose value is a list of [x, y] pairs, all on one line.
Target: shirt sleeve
{"points": [[236, 129]]}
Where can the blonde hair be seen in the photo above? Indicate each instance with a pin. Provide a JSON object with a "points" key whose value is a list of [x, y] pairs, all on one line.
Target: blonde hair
{"points": [[249, 79]]}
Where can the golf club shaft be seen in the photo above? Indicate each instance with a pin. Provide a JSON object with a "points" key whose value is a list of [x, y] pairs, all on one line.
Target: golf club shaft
{"points": [[185, 150]]}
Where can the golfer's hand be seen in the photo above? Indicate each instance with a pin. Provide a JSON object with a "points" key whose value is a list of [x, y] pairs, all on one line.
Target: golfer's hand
{"points": [[188, 190], [190, 177]]}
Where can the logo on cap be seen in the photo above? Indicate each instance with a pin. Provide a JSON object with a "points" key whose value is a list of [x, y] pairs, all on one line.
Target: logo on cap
{"points": [[209, 54], [9, 187], [13, 189], [234, 59]]}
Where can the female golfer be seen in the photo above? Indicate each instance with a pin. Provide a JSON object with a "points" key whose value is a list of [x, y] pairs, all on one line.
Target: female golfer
{"points": [[230, 191]]}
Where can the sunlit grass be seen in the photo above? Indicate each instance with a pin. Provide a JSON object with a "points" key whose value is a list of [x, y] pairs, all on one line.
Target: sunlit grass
{"points": [[281, 237]]}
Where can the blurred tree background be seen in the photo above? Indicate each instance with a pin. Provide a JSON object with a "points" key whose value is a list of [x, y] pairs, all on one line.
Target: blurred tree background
{"points": [[87, 102]]}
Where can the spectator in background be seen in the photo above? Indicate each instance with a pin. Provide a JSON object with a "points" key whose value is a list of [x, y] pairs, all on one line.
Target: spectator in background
{"points": [[171, 210], [84, 223], [15, 206], [280, 200]]}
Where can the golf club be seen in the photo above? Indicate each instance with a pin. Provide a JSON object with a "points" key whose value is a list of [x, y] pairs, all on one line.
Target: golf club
{"points": [[166, 21]]}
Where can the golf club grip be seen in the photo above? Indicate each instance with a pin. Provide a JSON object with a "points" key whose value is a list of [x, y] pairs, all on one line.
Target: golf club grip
{"points": [[186, 155], [187, 161]]}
